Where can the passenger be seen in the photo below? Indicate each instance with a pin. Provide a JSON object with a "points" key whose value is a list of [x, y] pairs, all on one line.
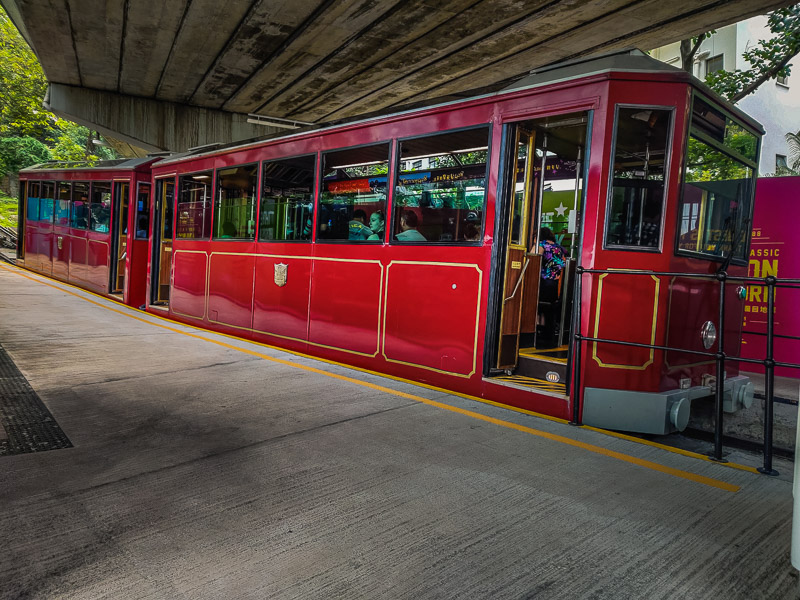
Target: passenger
{"points": [[228, 229], [552, 264], [141, 227], [472, 232], [357, 228], [408, 223], [377, 223]]}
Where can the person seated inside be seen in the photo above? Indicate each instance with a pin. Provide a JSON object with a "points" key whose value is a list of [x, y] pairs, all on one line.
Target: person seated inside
{"points": [[553, 261], [357, 228], [228, 230], [408, 225], [377, 223]]}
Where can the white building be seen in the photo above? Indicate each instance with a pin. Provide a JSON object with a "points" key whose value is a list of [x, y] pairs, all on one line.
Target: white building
{"points": [[775, 104]]}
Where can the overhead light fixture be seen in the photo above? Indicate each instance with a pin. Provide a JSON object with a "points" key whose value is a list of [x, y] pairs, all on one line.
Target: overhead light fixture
{"points": [[275, 122]]}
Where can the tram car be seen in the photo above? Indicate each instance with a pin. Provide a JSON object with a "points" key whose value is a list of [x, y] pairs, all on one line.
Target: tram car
{"points": [[442, 244]]}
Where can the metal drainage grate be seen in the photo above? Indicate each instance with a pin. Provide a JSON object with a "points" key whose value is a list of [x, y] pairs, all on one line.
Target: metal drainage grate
{"points": [[28, 424]]}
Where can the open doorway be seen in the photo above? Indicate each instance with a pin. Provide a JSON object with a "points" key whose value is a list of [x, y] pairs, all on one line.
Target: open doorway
{"points": [[119, 237], [544, 187]]}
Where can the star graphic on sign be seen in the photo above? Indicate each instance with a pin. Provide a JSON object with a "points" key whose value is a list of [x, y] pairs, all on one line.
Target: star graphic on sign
{"points": [[561, 209]]}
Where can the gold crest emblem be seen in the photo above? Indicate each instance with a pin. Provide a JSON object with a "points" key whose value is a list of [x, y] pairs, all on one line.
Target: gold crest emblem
{"points": [[281, 270]]}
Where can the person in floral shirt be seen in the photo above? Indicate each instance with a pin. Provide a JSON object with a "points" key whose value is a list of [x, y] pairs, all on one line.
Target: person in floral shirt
{"points": [[553, 261]]}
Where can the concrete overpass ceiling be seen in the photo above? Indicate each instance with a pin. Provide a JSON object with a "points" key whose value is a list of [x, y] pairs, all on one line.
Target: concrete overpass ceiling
{"points": [[323, 60]]}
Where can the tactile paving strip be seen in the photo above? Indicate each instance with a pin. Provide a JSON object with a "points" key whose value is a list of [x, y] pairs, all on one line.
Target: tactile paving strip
{"points": [[28, 424]]}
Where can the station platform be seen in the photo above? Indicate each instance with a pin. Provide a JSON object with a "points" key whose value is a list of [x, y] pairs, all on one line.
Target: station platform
{"points": [[158, 460]]}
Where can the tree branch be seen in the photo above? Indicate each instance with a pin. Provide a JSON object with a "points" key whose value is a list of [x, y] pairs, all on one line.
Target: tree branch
{"points": [[768, 74]]}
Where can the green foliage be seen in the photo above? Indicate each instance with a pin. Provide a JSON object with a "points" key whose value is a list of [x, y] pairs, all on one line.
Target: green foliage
{"points": [[19, 152], [8, 211], [767, 59], [22, 116]]}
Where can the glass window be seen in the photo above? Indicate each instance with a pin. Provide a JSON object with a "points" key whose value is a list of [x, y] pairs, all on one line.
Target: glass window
{"points": [[441, 187], [64, 192], [715, 204], [354, 187], [47, 193], [287, 199], [79, 217], [100, 207], [32, 212], [720, 128], [636, 198], [143, 211], [714, 64], [235, 210], [194, 206]]}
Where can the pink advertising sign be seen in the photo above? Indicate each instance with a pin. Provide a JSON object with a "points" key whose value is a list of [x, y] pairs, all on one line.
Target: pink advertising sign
{"points": [[774, 250]]}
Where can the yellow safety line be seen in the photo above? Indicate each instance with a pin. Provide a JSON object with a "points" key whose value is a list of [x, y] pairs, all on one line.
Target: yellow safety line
{"points": [[543, 434]]}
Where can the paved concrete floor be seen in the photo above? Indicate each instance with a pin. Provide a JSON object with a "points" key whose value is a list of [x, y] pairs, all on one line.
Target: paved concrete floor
{"points": [[202, 471]]}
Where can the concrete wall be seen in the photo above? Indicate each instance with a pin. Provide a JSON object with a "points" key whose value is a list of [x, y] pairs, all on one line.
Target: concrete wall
{"points": [[150, 124]]}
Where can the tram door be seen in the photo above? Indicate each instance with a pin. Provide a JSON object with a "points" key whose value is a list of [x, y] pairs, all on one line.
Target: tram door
{"points": [[518, 260], [119, 237], [543, 201], [161, 267]]}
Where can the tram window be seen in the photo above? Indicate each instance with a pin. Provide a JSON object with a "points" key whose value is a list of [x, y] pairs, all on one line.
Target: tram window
{"points": [[715, 203], [100, 207], [713, 123], [287, 199], [64, 191], [32, 212], [235, 208], [194, 206], [636, 197], [46, 199], [354, 187], [143, 211], [79, 214], [441, 187]]}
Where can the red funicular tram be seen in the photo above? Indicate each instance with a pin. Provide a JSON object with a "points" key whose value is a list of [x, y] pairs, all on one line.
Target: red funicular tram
{"points": [[79, 226], [421, 244]]}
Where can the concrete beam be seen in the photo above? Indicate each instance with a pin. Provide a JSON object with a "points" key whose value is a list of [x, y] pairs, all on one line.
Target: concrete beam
{"points": [[150, 124]]}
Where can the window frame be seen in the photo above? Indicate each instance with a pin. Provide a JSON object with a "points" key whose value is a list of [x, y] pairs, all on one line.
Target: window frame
{"points": [[139, 185], [396, 174], [392, 142], [256, 203], [706, 139], [667, 167], [110, 184], [314, 197], [177, 202], [28, 184]]}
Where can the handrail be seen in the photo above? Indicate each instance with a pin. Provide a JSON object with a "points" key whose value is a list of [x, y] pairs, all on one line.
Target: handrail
{"points": [[769, 363], [519, 281]]}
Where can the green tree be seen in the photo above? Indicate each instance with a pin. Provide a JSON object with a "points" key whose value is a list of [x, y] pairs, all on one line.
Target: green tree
{"points": [[19, 152], [768, 59], [22, 90]]}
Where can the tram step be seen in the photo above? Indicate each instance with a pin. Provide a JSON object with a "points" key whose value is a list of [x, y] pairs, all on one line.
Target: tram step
{"points": [[539, 368]]}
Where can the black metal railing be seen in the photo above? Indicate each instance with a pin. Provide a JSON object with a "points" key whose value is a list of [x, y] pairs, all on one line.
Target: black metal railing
{"points": [[720, 357]]}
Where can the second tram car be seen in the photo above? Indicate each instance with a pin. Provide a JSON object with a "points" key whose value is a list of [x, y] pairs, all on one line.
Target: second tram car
{"points": [[441, 244]]}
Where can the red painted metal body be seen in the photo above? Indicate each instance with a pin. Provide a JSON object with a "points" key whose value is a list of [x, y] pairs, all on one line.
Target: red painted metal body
{"points": [[82, 256], [422, 312]]}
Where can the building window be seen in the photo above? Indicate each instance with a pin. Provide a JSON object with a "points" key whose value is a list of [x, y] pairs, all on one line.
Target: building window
{"points": [[782, 80], [714, 64], [636, 199], [781, 164]]}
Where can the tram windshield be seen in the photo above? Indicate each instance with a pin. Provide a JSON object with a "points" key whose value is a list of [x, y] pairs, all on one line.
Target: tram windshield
{"points": [[718, 188]]}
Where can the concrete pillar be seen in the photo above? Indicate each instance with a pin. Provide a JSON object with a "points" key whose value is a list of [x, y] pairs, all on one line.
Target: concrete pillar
{"points": [[150, 124]]}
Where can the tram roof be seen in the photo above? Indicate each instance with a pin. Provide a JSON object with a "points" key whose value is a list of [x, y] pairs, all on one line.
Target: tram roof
{"points": [[121, 164], [631, 60]]}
